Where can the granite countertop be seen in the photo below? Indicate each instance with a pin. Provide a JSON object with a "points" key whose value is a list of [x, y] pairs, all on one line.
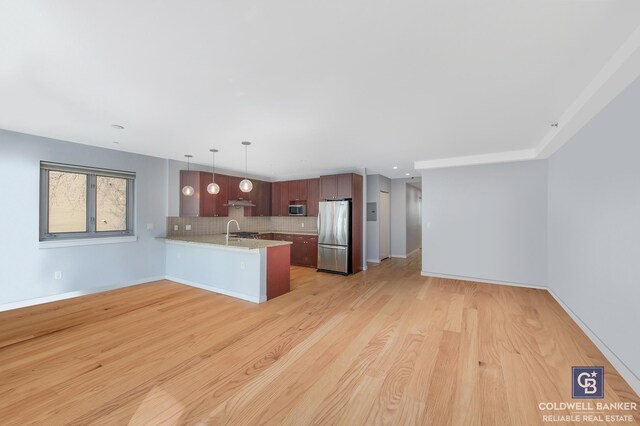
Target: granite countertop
{"points": [[310, 233], [238, 243]]}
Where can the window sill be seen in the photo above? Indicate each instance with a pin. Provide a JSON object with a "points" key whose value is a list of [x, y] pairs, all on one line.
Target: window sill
{"points": [[87, 242]]}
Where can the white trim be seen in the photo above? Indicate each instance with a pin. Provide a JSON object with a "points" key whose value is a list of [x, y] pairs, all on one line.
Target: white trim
{"points": [[87, 242], [414, 251], [399, 256], [72, 294], [481, 280], [471, 160], [218, 290], [618, 364], [373, 261], [621, 69]]}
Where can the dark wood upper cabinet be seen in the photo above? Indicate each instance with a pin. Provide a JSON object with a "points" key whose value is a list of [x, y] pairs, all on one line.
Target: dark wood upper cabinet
{"points": [[265, 200], [328, 187], [313, 197], [280, 198], [234, 189], [190, 205], [222, 197], [201, 203], [260, 195], [284, 199], [336, 187], [207, 201], [298, 190], [275, 198], [345, 184]]}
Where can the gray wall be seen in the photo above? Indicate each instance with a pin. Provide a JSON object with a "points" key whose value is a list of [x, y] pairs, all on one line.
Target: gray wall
{"points": [[374, 184], [594, 226], [398, 201], [486, 222], [414, 219], [27, 270]]}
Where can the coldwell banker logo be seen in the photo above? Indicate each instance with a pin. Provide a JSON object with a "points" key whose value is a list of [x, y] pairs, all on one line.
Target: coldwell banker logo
{"points": [[588, 382]]}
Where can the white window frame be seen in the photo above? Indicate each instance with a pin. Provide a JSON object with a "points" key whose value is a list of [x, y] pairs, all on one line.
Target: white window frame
{"points": [[92, 174]]}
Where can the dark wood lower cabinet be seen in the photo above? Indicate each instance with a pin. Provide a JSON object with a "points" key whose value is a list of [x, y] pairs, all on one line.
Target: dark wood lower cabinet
{"points": [[304, 250]]}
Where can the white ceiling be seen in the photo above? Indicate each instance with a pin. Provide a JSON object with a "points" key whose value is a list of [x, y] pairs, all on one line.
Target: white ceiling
{"points": [[316, 86]]}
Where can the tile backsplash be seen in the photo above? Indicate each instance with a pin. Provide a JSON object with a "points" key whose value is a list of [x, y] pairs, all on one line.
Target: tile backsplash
{"points": [[218, 225]]}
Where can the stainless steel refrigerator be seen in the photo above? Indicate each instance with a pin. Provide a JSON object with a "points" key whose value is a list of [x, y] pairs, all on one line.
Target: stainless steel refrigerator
{"points": [[334, 236]]}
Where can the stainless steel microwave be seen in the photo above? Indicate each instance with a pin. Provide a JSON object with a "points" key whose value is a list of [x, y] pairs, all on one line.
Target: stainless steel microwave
{"points": [[297, 210]]}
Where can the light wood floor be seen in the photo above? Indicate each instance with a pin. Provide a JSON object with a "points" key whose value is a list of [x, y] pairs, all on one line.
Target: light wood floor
{"points": [[385, 346]]}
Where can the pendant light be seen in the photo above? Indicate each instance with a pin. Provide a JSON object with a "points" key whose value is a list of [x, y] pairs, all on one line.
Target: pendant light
{"points": [[213, 187], [187, 189], [246, 185]]}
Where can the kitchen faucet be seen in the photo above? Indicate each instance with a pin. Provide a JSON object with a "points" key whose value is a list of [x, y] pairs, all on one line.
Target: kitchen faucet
{"points": [[229, 223]]}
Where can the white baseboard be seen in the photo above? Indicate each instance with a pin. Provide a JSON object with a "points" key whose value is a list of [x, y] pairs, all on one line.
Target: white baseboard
{"points": [[218, 290], [481, 280], [414, 251], [618, 364], [373, 261], [69, 295], [399, 256]]}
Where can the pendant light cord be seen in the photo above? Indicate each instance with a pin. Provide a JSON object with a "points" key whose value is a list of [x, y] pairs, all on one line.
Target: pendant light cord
{"points": [[246, 150]]}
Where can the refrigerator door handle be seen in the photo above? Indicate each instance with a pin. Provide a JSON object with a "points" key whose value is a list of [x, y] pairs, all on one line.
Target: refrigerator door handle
{"points": [[333, 247]]}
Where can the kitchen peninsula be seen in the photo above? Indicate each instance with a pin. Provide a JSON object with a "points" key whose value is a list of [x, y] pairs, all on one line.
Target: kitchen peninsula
{"points": [[255, 270]]}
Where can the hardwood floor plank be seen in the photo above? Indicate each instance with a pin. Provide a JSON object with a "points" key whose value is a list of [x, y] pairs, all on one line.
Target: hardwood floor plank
{"points": [[386, 346]]}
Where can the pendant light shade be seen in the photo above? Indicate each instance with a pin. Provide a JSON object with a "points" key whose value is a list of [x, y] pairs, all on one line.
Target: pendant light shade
{"points": [[213, 188], [246, 185], [188, 190]]}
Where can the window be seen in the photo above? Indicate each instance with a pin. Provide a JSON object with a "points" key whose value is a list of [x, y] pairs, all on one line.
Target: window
{"points": [[84, 202]]}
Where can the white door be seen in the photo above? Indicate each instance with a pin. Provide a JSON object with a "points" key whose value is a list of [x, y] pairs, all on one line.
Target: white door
{"points": [[385, 225]]}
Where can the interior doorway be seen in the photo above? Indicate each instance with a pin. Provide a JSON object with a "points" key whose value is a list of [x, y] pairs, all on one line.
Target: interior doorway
{"points": [[385, 225]]}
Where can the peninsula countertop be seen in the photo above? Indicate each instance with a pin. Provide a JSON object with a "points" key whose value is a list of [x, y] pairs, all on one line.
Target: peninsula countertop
{"points": [[234, 242]]}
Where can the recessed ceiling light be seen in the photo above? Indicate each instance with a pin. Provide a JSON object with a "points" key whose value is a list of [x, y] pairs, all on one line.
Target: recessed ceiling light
{"points": [[117, 126], [115, 143], [395, 167], [407, 174]]}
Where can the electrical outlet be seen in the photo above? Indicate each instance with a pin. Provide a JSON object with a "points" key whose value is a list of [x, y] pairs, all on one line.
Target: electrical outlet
{"points": [[242, 266], [302, 225], [149, 226], [187, 227], [175, 227], [57, 275]]}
